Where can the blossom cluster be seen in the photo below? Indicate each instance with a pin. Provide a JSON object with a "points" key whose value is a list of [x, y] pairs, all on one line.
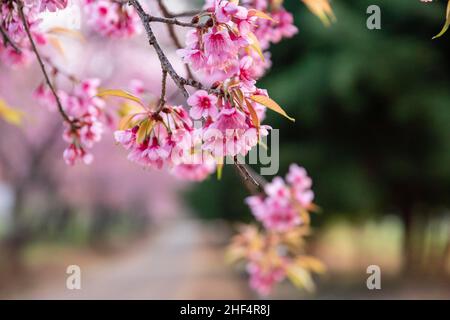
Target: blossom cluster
{"points": [[227, 49], [272, 30], [163, 138], [11, 24], [52, 5], [169, 140], [111, 18], [85, 111], [233, 38], [280, 207], [274, 253]]}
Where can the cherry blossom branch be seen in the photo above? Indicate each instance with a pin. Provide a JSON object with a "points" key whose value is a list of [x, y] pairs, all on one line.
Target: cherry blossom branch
{"points": [[167, 68], [58, 71], [250, 183], [162, 100], [172, 21], [42, 66], [7, 39], [173, 34], [254, 182], [183, 14], [165, 63]]}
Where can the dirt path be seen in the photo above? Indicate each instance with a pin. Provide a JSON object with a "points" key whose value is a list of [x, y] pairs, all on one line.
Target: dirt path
{"points": [[180, 262]]}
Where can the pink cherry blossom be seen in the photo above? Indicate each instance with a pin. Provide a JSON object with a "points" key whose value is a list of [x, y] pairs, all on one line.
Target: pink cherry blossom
{"points": [[127, 138], [11, 23], [226, 10], [194, 172], [111, 18], [278, 189], [262, 279], [278, 209], [203, 105], [73, 153], [53, 5]]}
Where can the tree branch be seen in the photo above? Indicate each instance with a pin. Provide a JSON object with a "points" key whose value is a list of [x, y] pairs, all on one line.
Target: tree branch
{"points": [[173, 35], [165, 63], [252, 184], [41, 64], [173, 21], [181, 82], [162, 100], [184, 14], [7, 39]]}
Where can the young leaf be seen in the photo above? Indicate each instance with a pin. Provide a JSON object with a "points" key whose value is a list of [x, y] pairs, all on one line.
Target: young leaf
{"points": [[255, 45], [219, 171], [57, 45], [67, 32], [447, 23], [119, 93], [127, 121], [143, 131], [269, 103], [312, 264], [234, 254], [300, 277], [253, 114], [9, 114], [260, 14], [127, 108], [322, 9]]}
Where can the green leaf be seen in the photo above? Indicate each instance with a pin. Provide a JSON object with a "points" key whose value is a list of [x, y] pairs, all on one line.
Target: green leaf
{"points": [[219, 171], [447, 23]]}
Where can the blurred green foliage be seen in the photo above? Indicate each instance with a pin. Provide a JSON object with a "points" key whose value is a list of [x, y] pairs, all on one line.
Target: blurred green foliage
{"points": [[372, 110]]}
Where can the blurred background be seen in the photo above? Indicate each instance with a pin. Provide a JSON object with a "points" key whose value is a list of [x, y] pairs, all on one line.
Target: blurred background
{"points": [[373, 131]]}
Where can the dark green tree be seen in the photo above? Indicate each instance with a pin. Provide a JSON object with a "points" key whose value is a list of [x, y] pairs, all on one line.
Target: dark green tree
{"points": [[373, 115]]}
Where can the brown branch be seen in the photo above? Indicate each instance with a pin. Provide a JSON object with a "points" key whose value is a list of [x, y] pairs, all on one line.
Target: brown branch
{"points": [[7, 39], [173, 34], [41, 64], [181, 82], [165, 63], [184, 14], [162, 100], [173, 21], [250, 182]]}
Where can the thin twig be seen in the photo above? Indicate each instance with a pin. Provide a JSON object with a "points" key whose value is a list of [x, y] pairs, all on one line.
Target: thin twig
{"points": [[41, 64], [246, 175], [165, 63], [162, 100], [184, 14], [173, 21], [7, 39], [173, 34], [250, 185]]}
